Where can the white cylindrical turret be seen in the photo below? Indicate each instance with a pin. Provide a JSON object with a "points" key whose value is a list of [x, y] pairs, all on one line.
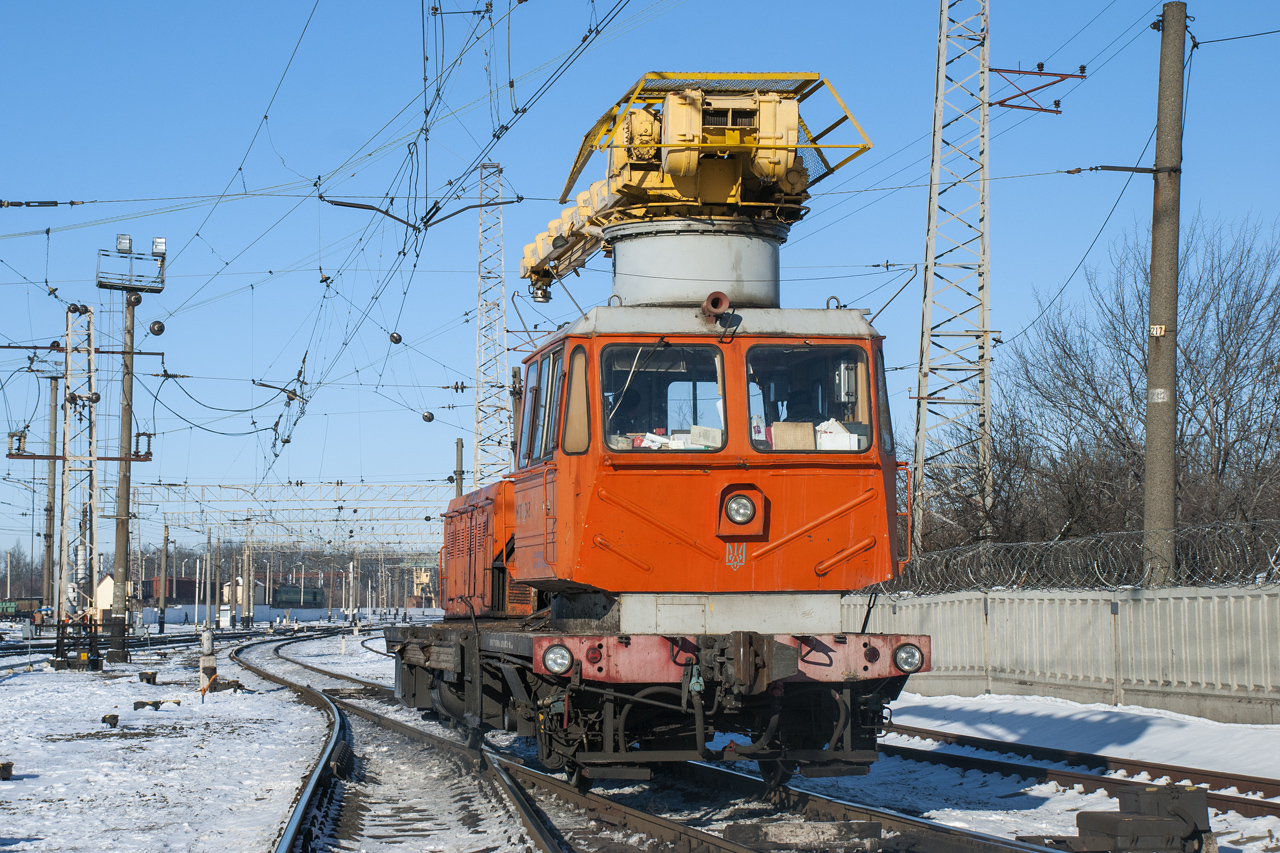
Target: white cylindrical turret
{"points": [[680, 261]]}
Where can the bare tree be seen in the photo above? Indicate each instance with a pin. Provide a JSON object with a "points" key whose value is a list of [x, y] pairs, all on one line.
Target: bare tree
{"points": [[1067, 424], [1078, 384]]}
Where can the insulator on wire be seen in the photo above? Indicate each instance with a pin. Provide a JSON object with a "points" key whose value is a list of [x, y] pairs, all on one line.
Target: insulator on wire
{"points": [[428, 417], [157, 328], [395, 338]]}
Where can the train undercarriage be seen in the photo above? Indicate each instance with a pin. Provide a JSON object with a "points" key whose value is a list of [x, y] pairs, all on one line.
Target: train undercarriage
{"points": [[613, 706]]}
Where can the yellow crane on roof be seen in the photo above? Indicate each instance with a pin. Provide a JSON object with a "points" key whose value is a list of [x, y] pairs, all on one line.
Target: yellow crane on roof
{"points": [[696, 145]]}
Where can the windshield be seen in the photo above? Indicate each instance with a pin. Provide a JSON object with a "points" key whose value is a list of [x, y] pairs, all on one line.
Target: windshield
{"points": [[813, 398], [659, 397]]}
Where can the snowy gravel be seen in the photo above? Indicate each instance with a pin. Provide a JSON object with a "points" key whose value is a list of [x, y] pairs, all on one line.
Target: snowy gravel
{"points": [[1126, 731], [1002, 805], [214, 776], [222, 775], [985, 802], [345, 655]]}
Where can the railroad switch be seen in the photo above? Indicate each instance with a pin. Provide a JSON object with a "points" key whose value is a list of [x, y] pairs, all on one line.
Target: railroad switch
{"points": [[1156, 819]]}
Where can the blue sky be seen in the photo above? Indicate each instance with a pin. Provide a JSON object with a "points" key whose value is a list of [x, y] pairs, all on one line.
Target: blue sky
{"points": [[159, 103]]}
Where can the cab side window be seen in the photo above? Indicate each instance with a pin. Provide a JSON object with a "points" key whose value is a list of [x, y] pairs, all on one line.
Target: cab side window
{"points": [[528, 414], [882, 406], [553, 363], [577, 418], [541, 411]]}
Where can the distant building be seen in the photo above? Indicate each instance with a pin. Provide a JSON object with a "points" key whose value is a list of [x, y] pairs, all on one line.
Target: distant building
{"points": [[233, 597], [177, 591]]}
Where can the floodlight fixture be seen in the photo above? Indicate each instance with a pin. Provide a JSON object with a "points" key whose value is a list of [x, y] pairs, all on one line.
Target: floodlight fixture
{"points": [[124, 244], [157, 247]]}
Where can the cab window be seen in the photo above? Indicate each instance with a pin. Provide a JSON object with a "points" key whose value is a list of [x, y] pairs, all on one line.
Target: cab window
{"points": [[814, 399], [541, 409], [662, 398], [882, 406], [528, 413], [577, 423]]}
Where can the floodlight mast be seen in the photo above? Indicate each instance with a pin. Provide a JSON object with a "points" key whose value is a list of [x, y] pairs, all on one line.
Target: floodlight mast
{"points": [[134, 286]]}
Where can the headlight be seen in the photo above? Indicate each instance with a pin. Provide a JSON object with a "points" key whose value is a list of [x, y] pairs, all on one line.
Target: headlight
{"points": [[740, 509], [557, 659], [906, 657]]}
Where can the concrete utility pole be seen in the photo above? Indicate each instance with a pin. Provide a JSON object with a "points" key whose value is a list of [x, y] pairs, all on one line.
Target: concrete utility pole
{"points": [[51, 503], [164, 575], [249, 581], [457, 473], [214, 578], [118, 596], [1160, 486]]}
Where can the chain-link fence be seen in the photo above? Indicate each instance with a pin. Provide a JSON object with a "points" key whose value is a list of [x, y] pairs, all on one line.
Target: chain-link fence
{"points": [[1209, 555]]}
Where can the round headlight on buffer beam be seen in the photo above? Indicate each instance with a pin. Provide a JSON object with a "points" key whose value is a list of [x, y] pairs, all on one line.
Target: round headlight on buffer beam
{"points": [[557, 659], [740, 509], [906, 657]]}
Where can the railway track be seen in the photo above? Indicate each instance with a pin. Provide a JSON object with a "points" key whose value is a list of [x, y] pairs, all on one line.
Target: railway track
{"points": [[375, 639], [550, 823], [151, 641], [1216, 782], [402, 810]]}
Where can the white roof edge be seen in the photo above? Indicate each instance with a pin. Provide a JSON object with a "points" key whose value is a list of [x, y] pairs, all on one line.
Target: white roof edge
{"points": [[688, 320]]}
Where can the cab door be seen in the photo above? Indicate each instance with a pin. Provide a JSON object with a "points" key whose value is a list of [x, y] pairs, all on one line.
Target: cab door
{"points": [[535, 482]]}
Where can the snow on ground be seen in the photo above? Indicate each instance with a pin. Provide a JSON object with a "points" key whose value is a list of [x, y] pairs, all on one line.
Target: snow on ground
{"points": [[1126, 731], [223, 775], [986, 802], [346, 655], [1004, 805], [213, 776]]}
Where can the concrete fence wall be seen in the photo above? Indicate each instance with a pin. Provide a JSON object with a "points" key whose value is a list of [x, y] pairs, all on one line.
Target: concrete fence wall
{"points": [[1214, 653]]}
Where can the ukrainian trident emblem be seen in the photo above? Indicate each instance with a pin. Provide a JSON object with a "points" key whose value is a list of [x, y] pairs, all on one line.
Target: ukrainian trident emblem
{"points": [[735, 555]]}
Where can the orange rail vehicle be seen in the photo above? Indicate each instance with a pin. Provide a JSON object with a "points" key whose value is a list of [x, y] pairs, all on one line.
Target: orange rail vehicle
{"points": [[700, 476]]}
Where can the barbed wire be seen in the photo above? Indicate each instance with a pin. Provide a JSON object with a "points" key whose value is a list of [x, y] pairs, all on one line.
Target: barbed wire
{"points": [[1211, 555]]}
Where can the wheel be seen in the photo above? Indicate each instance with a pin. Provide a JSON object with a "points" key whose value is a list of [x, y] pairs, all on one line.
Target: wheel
{"points": [[1203, 842], [578, 778], [776, 773]]}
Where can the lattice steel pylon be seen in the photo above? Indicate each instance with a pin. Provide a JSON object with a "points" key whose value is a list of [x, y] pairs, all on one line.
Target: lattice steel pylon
{"points": [[953, 399], [78, 548], [492, 443]]}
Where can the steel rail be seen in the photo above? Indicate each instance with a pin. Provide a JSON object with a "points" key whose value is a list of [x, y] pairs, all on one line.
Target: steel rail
{"points": [[366, 643], [541, 834], [155, 640], [933, 836], [323, 768], [372, 685], [1242, 805], [1212, 778], [930, 835], [490, 763]]}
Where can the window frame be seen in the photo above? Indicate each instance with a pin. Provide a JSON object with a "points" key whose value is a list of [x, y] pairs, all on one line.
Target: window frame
{"points": [[872, 442], [530, 406], [534, 428], [570, 376], [550, 432], [721, 382], [884, 420]]}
